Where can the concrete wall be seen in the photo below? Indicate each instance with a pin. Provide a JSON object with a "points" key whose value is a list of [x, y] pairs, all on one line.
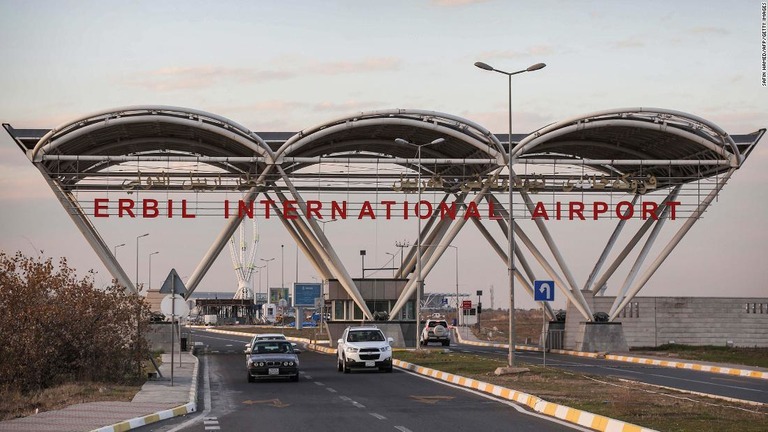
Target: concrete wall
{"points": [[654, 321]]}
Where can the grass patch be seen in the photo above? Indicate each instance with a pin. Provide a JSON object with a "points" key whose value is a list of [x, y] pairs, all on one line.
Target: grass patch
{"points": [[14, 404], [643, 405], [757, 357]]}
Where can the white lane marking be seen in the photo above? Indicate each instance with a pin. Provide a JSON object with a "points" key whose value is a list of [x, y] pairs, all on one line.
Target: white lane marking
{"points": [[213, 428], [687, 380], [319, 383], [402, 429], [210, 422], [345, 398], [358, 404], [330, 390], [228, 345], [307, 376], [378, 416], [506, 402]]}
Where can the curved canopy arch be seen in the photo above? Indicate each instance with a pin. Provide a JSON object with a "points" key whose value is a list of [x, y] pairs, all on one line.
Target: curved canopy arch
{"points": [[664, 142], [148, 130], [374, 133]]}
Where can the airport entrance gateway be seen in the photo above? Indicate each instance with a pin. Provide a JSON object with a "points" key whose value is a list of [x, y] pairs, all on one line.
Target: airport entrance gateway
{"points": [[644, 170]]}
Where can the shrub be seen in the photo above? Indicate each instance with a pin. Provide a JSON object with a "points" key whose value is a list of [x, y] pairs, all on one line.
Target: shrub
{"points": [[57, 328]]}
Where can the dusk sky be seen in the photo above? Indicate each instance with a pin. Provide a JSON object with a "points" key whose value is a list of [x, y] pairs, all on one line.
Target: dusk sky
{"points": [[289, 65]]}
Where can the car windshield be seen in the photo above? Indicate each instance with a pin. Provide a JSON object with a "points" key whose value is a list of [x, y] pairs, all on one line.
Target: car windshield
{"points": [[436, 323], [365, 336], [272, 347]]}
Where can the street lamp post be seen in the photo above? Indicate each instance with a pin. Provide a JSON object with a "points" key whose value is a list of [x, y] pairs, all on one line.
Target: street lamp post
{"points": [[419, 279], [362, 266], [137, 261], [149, 276], [511, 221], [117, 246], [392, 254], [267, 265]]}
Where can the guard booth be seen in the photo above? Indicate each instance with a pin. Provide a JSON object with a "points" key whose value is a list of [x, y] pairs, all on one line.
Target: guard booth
{"points": [[229, 311]]}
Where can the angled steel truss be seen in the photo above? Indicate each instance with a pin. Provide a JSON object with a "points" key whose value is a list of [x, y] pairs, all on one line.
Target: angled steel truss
{"points": [[634, 155]]}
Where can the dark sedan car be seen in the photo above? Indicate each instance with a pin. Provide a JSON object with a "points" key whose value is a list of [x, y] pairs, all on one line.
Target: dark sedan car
{"points": [[273, 359]]}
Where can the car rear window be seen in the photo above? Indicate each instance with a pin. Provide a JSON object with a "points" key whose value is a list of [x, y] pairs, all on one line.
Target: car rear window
{"points": [[436, 323]]}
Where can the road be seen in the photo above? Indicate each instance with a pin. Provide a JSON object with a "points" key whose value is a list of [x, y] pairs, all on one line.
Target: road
{"points": [[326, 400], [750, 389]]}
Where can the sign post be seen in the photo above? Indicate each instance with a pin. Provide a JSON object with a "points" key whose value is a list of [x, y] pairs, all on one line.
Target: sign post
{"points": [[173, 306], [544, 291]]}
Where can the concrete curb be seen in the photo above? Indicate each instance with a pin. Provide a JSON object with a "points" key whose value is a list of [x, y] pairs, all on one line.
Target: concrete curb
{"points": [[562, 412], [630, 359], [185, 409]]}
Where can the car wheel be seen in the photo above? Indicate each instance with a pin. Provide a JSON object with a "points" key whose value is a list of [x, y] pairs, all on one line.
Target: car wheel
{"points": [[339, 365], [250, 378], [295, 378], [346, 367], [447, 343]]}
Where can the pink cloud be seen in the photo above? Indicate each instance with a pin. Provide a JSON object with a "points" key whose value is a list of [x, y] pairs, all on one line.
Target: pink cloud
{"points": [[628, 43], [710, 30], [450, 3], [198, 77], [536, 50], [366, 65]]}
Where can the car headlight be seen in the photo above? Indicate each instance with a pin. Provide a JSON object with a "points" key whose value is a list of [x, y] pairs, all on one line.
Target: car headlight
{"points": [[385, 349], [261, 364], [352, 349]]}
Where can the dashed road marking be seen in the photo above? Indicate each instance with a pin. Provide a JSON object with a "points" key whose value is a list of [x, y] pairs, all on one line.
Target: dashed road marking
{"points": [[211, 423], [402, 429], [358, 404], [378, 416], [331, 390], [319, 383]]}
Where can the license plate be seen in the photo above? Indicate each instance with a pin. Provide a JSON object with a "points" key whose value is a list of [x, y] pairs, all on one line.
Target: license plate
{"points": [[274, 371], [370, 364]]}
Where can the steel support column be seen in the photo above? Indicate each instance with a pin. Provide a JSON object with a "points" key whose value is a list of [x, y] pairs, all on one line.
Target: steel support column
{"points": [[607, 250], [337, 267], [218, 244], [673, 242], [440, 249], [658, 225], [88, 231]]}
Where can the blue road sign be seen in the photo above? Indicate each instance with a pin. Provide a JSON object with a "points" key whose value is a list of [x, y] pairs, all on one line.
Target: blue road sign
{"points": [[304, 294], [544, 290]]}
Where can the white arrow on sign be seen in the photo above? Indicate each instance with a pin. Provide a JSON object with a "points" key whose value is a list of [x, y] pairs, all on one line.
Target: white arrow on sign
{"points": [[544, 288]]}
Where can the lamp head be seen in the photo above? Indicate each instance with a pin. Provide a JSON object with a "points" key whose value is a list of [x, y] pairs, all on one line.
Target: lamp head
{"points": [[438, 141], [401, 141], [484, 66], [535, 67]]}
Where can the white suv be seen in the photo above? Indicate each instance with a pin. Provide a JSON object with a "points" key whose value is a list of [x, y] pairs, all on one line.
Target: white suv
{"points": [[364, 347], [435, 331]]}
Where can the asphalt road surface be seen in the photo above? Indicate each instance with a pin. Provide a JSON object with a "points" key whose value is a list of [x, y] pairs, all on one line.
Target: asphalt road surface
{"points": [[327, 400], [751, 389]]}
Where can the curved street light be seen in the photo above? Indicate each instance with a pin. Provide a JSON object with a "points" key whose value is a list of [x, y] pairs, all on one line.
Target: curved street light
{"points": [[511, 219], [115, 249]]}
